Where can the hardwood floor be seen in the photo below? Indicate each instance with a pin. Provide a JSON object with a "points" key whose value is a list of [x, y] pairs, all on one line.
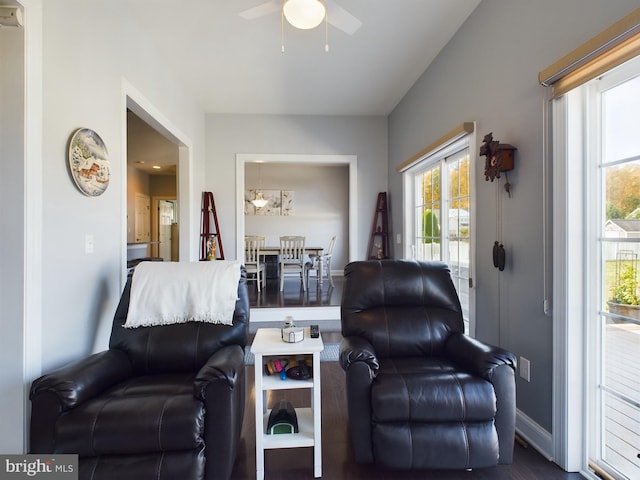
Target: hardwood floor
{"points": [[294, 296], [337, 459]]}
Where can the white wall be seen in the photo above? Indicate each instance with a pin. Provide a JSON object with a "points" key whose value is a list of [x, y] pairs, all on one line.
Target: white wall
{"points": [[228, 135], [488, 74], [321, 200]]}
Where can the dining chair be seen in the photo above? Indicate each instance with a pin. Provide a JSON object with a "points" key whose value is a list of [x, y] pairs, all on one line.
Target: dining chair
{"points": [[252, 260], [322, 264], [292, 259]]}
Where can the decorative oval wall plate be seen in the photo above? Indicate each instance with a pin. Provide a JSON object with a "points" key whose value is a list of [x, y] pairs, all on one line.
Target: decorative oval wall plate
{"points": [[89, 162]]}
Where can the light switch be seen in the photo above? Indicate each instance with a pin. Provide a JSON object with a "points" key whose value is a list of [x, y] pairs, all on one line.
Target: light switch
{"points": [[525, 369], [88, 243]]}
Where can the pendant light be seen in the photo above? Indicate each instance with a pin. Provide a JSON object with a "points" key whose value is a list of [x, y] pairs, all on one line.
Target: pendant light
{"points": [[259, 201]]}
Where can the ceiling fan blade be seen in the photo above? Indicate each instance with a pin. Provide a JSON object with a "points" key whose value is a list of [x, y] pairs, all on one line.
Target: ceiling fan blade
{"points": [[340, 18], [261, 10]]}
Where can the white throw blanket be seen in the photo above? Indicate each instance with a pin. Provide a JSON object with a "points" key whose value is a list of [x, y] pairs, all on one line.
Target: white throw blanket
{"points": [[163, 293]]}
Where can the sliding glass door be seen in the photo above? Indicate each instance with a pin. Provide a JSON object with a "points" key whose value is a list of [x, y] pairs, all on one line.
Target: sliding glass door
{"points": [[614, 121], [598, 158], [440, 228]]}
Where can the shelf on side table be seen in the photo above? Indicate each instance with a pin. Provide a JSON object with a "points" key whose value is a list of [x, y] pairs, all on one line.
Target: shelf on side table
{"points": [[304, 437]]}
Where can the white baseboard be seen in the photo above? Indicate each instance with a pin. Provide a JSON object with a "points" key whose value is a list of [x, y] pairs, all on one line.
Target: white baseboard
{"points": [[534, 435], [317, 314]]}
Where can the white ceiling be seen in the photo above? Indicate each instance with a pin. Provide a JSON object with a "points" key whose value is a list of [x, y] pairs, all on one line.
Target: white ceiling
{"points": [[148, 150], [233, 65]]}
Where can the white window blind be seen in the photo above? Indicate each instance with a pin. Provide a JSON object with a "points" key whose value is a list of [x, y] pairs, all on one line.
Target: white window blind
{"points": [[607, 50]]}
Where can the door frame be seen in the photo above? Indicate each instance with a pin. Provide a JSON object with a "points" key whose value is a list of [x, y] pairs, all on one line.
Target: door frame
{"points": [[30, 220], [135, 101]]}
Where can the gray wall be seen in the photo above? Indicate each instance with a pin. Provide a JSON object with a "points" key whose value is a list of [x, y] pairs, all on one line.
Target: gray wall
{"points": [[228, 135], [488, 74]]}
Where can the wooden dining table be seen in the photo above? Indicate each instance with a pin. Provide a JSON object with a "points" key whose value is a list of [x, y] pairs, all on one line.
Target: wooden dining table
{"points": [[276, 250], [272, 250]]}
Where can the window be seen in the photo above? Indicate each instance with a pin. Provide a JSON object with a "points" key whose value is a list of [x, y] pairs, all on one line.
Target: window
{"points": [[426, 244], [438, 214]]}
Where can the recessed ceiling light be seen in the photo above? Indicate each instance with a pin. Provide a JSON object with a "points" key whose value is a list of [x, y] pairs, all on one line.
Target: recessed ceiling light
{"points": [[156, 167]]}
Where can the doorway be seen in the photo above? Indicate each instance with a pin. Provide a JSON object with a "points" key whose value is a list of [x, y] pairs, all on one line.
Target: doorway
{"points": [[152, 192], [321, 313]]}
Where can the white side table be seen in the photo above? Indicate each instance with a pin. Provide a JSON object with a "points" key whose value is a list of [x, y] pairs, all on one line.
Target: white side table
{"points": [[268, 343]]}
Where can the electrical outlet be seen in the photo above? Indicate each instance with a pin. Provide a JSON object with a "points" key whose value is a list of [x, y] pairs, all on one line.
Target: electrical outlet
{"points": [[398, 238], [525, 369]]}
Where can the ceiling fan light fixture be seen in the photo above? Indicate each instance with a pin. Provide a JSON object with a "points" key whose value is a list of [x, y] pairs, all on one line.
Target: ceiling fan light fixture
{"points": [[304, 14], [259, 201]]}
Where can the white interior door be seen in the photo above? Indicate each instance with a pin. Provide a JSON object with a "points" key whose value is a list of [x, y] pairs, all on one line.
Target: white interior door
{"points": [[142, 226], [166, 217]]}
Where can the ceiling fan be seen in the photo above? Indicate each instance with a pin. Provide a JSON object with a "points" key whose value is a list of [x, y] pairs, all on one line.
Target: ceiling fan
{"points": [[336, 15]]}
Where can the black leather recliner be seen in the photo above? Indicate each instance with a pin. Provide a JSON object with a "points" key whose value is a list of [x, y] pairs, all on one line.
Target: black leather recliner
{"points": [[421, 394], [162, 402]]}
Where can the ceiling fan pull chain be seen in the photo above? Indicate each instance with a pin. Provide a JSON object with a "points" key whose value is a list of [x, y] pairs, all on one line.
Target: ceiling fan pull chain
{"points": [[326, 31], [282, 29]]}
